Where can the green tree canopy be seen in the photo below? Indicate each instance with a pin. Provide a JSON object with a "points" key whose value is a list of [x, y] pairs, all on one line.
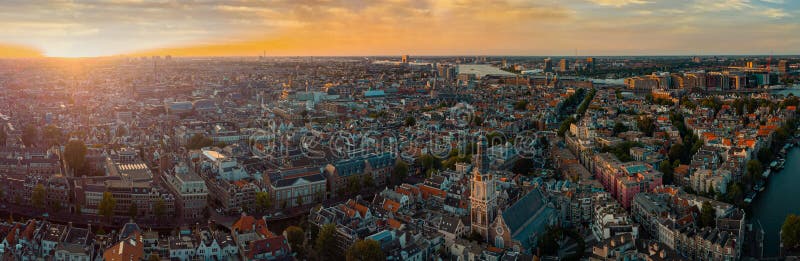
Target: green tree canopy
{"points": [[263, 201], [400, 171], [3, 137], [52, 135], [199, 141], [707, 214], [325, 244], [30, 135], [410, 121], [107, 205], [38, 196], [646, 125], [369, 181], [619, 127], [548, 243], [365, 250], [521, 105], [754, 170], [75, 154], [669, 172], [296, 237], [790, 231]]}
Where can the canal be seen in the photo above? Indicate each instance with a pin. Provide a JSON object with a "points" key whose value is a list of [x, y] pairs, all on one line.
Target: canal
{"points": [[779, 199]]}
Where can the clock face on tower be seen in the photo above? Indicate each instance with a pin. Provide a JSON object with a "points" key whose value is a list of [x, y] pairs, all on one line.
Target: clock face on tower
{"points": [[499, 230]]}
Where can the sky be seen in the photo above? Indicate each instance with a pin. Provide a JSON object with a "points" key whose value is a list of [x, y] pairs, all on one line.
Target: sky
{"points": [[88, 28]]}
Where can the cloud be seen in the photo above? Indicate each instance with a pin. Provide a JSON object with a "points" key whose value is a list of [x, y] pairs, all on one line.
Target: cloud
{"points": [[386, 27], [618, 3], [774, 1], [723, 5], [774, 13]]}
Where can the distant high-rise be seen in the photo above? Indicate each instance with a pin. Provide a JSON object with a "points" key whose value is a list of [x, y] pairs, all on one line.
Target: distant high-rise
{"points": [[505, 63], [563, 65], [404, 58], [783, 66], [548, 65], [590, 63], [751, 64], [696, 59]]}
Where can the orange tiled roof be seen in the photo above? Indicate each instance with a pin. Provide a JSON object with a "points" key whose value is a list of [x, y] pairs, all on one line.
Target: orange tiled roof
{"points": [[248, 223], [125, 250], [394, 223], [391, 205]]}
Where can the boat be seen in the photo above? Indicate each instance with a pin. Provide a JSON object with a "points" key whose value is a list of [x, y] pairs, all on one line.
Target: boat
{"points": [[773, 165], [750, 197], [781, 163], [759, 186], [766, 173]]}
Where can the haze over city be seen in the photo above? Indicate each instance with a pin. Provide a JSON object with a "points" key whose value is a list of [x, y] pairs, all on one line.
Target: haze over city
{"points": [[421, 27]]}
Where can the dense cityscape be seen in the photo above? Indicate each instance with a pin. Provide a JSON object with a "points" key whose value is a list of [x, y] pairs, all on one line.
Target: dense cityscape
{"points": [[399, 158]]}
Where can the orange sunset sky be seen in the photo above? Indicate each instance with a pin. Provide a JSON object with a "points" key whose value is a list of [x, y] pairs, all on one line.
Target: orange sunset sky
{"points": [[65, 28]]}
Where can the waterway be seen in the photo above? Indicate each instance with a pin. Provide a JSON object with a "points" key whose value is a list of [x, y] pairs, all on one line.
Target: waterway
{"points": [[779, 199], [794, 90]]}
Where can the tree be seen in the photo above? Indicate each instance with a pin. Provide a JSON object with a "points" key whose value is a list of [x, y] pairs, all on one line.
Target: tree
{"points": [[154, 257], [52, 135], [263, 201], [159, 208], [325, 244], [75, 154], [369, 181], [754, 169], [676, 152], [106, 206], [521, 105], [199, 141], [400, 171], [523, 165], [565, 125], [30, 135], [410, 121], [765, 155], [619, 127], [365, 250], [3, 137], [296, 237], [548, 243], [353, 185], [646, 125], [707, 214], [38, 195], [790, 231], [669, 173], [133, 210]]}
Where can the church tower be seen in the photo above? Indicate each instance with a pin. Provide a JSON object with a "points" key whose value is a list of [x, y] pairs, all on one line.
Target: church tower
{"points": [[483, 197]]}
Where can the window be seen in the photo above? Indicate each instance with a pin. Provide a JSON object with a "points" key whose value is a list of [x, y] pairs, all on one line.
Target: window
{"points": [[498, 241]]}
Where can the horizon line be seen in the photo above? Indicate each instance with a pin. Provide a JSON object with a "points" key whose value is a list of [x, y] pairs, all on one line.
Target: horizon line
{"points": [[396, 55]]}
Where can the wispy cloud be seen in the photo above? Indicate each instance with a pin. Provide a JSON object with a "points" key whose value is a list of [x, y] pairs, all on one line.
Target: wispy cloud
{"points": [[774, 13], [618, 3]]}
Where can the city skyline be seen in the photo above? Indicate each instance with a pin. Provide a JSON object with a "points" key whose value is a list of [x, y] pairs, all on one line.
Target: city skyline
{"points": [[417, 27]]}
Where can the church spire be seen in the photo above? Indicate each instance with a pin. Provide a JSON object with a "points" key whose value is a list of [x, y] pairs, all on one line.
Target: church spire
{"points": [[482, 157]]}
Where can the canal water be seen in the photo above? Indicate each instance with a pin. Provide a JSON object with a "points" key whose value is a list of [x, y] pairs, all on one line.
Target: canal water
{"points": [[780, 198]]}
